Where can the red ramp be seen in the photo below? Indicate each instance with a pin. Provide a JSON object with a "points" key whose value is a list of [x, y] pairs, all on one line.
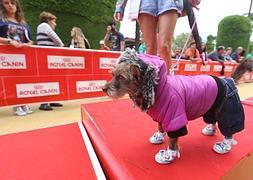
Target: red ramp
{"points": [[120, 134], [248, 101], [46, 154]]}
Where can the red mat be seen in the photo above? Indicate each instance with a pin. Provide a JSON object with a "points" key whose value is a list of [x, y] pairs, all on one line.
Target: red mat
{"points": [[120, 134], [248, 101], [44, 154]]}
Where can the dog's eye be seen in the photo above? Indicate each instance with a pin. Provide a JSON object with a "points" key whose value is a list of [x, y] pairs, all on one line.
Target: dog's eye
{"points": [[121, 77]]}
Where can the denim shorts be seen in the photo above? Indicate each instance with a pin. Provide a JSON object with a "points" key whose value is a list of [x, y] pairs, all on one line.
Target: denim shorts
{"points": [[229, 114], [157, 7]]}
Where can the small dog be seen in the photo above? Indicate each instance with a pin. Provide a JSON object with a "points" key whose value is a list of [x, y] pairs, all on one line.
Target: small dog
{"points": [[173, 100]]}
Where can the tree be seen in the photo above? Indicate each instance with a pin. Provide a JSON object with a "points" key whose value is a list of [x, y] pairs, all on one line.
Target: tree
{"points": [[180, 40], [234, 31], [91, 16], [210, 43]]}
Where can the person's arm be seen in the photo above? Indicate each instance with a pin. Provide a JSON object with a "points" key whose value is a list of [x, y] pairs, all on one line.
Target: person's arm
{"points": [[54, 37], [119, 10], [122, 42], [107, 36], [187, 54], [10, 42], [122, 45]]}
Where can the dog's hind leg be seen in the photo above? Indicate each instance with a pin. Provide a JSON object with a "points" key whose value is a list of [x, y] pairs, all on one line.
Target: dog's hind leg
{"points": [[173, 143]]}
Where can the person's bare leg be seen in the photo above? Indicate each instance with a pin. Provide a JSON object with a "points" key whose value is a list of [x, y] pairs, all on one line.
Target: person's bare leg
{"points": [[148, 25], [166, 26]]}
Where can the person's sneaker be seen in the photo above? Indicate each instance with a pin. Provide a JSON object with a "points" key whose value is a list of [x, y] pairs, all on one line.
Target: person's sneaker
{"points": [[209, 130], [45, 107], [166, 156], [224, 146], [18, 110], [27, 109], [56, 104], [157, 138]]}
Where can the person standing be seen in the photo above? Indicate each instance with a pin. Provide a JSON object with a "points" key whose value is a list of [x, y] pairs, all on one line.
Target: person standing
{"points": [[78, 39], [156, 18], [46, 36], [114, 39], [14, 31]]}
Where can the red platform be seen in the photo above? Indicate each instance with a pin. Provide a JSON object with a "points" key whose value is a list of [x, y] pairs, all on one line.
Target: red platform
{"points": [[120, 134], [248, 101], [45, 154]]}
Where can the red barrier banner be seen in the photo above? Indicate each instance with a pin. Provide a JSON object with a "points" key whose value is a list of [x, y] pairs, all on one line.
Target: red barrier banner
{"points": [[103, 61], [17, 62], [2, 91], [46, 74]]}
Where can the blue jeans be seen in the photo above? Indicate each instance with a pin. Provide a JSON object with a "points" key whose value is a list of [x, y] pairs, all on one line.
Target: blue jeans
{"points": [[157, 7], [229, 114]]}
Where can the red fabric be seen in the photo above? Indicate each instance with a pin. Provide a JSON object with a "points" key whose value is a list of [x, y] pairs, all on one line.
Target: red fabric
{"points": [[125, 131], [51, 153]]}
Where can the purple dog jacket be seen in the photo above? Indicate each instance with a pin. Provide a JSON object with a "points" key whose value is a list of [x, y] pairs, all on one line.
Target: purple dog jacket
{"points": [[179, 98]]}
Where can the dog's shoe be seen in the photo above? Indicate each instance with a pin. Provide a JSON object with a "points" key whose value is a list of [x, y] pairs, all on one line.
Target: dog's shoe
{"points": [[209, 130], [157, 138], [224, 146], [166, 156]]}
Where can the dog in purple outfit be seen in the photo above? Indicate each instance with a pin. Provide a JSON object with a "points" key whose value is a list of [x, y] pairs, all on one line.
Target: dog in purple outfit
{"points": [[173, 100]]}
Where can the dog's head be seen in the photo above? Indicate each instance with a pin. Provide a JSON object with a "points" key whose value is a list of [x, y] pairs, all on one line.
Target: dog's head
{"points": [[134, 77]]}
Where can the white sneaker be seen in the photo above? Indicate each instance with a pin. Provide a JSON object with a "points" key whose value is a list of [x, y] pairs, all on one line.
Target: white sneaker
{"points": [[18, 110], [157, 138], [27, 109], [224, 146], [209, 130], [166, 156]]}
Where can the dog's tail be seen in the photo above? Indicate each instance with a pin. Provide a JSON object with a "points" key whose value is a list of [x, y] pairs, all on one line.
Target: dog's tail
{"points": [[244, 66]]}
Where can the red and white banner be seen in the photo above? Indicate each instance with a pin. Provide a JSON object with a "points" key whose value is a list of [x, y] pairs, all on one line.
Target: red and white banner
{"points": [[45, 74]]}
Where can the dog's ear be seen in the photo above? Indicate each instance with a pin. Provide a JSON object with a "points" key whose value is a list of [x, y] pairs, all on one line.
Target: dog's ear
{"points": [[135, 71]]}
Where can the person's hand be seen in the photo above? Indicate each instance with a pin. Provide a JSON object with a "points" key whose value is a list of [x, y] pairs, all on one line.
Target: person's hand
{"points": [[108, 29], [26, 45], [118, 16], [16, 44]]}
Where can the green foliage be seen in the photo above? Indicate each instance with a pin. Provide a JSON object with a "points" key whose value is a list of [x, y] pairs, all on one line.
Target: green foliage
{"points": [[180, 40], [250, 46], [210, 44], [234, 31], [90, 15]]}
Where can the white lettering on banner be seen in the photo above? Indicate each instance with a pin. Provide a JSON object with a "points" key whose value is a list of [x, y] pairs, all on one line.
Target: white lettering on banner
{"points": [[205, 68], [107, 63], [190, 67], [37, 89], [228, 68], [12, 61], [217, 68], [66, 62], [89, 86]]}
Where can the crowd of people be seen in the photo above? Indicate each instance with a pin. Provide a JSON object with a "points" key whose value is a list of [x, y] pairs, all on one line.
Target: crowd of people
{"points": [[221, 54], [15, 31]]}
